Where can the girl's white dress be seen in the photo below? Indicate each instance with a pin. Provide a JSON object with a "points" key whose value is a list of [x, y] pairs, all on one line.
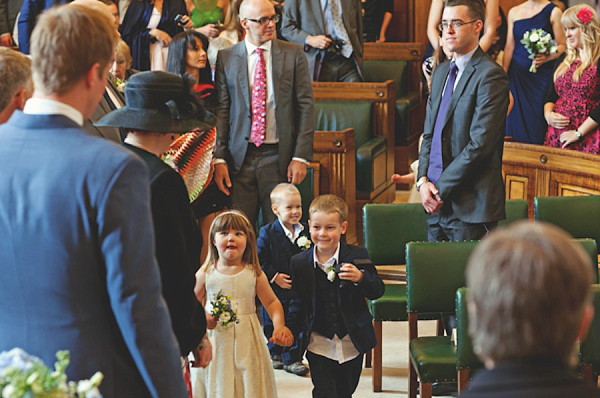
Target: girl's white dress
{"points": [[241, 366]]}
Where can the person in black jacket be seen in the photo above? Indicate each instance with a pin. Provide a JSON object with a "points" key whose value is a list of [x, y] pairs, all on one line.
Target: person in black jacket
{"points": [[158, 108]]}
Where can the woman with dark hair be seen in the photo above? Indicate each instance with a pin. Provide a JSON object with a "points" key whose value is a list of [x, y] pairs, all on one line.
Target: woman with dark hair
{"points": [[148, 27], [192, 153]]}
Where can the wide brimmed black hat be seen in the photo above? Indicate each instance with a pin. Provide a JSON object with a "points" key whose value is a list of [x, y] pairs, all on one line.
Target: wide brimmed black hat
{"points": [[159, 102]]}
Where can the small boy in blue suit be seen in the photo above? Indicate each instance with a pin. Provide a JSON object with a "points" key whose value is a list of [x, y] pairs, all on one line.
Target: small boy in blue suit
{"points": [[277, 243], [330, 285]]}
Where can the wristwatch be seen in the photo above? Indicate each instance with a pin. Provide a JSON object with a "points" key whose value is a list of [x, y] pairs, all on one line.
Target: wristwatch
{"points": [[578, 134], [421, 182]]}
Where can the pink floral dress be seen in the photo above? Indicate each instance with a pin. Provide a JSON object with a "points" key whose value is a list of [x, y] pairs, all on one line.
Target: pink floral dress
{"points": [[575, 101]]}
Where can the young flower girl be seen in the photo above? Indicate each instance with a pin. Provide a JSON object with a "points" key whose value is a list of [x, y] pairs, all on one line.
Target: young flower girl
{"points": [[227, 285]]}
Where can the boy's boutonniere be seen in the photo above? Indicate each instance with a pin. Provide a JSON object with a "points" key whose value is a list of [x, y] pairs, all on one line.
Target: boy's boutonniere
{"points": [[331, 273], [120, 84], [303, 242], [222, 311]]}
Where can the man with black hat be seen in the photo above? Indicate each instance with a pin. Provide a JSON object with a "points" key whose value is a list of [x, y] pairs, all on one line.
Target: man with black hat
{"points": [[77, 249]]}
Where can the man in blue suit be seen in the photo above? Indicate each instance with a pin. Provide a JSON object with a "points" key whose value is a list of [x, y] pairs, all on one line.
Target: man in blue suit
{"points": [[77, 247]]}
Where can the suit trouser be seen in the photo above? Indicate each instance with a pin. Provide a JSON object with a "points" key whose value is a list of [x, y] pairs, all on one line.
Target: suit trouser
{"points": [[289, 354], [446, 226], [332, 379], [337, 68], [253, 184]]}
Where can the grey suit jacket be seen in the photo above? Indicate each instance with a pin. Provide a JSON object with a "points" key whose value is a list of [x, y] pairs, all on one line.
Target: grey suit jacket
{"points": [[294, 107], [303, 18], [472, 139]]}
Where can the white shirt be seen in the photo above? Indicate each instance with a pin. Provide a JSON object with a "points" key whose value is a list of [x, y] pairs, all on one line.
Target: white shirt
{"points": [[44, 106], [292, 235], [336, 349], [461, 63], [271, 134]]}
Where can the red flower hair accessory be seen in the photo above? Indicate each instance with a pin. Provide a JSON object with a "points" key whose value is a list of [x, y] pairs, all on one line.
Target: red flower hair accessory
{"points": [[585, 15]]}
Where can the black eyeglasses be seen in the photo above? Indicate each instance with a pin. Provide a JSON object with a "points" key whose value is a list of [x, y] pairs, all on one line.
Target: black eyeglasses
{"points": [[454, 24], [264, 21]]}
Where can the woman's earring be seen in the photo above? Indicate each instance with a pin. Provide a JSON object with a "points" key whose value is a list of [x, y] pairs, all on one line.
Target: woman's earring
{"points": [[173, 137]]}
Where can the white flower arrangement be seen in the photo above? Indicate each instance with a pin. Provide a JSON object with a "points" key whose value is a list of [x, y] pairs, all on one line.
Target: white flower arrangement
{"points": [[303, 243], [538, 41], [24, 375], [222, 311]]}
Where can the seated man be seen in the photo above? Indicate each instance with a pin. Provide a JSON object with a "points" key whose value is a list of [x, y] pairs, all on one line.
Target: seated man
{"points": [[529, 302], [15, 80]]}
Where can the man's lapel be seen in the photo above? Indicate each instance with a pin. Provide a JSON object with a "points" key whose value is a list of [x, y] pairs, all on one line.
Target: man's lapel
{"points": [[242, 56], [318, 14], [277, 63], [462, 83], [442, 71]]}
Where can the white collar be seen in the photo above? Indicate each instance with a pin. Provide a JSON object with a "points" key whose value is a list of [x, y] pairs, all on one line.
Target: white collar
{"points": [[297, 229], [45, 106], [334, 259], [250, 48]]}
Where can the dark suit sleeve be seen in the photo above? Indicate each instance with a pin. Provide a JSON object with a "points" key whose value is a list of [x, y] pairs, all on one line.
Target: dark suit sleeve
{"points": [[264, 252], [4, 25], [126, 241], [371, 285], [223, 109], [296, 318], [304, 108], [486, 132], [291, 26]]}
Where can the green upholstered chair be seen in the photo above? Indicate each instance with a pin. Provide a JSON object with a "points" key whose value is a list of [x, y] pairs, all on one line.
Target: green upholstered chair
{"points": [[589, 350], [370, 149], [434, 271], [578, 215], [387, 229], [466, 360], [516, 209]]}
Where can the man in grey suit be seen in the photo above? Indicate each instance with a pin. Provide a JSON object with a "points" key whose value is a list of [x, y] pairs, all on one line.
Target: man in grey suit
{"points": [[77, 249], [460, 163], [265, 113], [332, 36]]}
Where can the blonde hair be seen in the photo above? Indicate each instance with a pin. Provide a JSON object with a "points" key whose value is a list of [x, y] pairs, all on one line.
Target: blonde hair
{"points": [[66, 42], [590, 34], [232, 19], [281, 191], [122, 50], [15, 74], [329, 204], [529, 285], [235, 220]]}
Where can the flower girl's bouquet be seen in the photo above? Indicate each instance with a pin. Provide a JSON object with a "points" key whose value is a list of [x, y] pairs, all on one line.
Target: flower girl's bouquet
{"points": [[538, 41], [23, 375], [222, 311]]}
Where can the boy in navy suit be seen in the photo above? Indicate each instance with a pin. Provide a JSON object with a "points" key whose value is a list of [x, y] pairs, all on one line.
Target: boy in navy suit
{"points": [[331, 282], [277, 243]]}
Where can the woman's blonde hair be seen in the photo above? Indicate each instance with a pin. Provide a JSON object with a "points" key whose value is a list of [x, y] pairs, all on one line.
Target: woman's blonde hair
{"points": [[122, 50], [590, 34], [235, 220], [232, 19]]}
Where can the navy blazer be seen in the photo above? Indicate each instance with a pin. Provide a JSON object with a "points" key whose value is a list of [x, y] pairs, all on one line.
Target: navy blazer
{"points": [[30, 11], [351, 297], [275, 252], [77, 259]]}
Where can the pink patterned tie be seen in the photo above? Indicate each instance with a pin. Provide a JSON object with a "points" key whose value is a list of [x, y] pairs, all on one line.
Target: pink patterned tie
{"points": [[259, 100]]}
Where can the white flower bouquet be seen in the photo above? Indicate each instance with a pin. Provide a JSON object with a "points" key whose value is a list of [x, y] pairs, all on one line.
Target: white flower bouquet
{"points": [[222, 311], [538, 41], [303, 243], [24, 375]]}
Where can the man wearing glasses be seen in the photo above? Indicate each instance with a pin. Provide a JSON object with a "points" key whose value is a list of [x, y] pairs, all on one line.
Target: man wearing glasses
{"points": [[332, 35], [265, 113], [460, 163]]}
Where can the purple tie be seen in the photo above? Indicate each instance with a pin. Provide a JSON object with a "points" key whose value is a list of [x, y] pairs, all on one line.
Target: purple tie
{"points": [[259, 100], [436, 163]]}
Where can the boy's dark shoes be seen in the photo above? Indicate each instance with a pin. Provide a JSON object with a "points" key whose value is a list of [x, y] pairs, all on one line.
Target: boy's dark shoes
{"points": [[297, 368], [277, 362]]}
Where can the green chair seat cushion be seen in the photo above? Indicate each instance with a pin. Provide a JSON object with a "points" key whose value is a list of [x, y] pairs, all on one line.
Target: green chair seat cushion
{"points": [[404, 105], [392, 305], [434, 358]]}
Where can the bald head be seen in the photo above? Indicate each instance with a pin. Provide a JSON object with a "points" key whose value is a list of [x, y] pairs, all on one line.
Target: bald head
{"points": [[251, 13]]}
